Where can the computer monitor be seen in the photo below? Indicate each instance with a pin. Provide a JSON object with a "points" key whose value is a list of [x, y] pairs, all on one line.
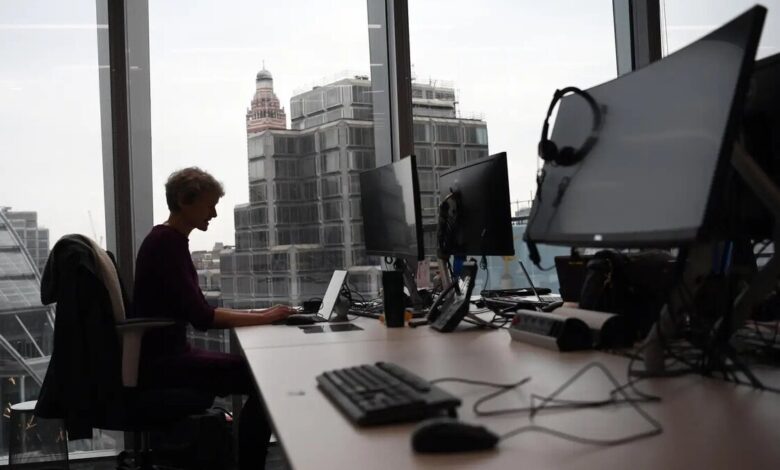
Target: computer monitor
{"points": [[656, 173], [761, 138], [483, 220], [390, 202]]}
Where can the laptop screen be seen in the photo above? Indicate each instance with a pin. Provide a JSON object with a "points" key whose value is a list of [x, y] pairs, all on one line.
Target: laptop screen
{"points": [[332, 294]]}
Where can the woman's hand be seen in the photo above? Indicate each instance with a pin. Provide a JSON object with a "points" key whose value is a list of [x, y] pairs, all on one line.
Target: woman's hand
{"points": [[278, 312]]}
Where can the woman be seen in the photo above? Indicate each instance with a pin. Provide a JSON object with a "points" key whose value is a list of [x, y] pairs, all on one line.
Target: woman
{"points": [[166, 286]]}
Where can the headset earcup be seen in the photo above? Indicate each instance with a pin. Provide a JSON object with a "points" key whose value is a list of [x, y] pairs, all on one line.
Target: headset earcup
{"points": [[567, 156], [548, 151]]}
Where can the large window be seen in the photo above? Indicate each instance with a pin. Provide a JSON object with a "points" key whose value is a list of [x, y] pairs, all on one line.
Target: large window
{"points": [[684, 21], [486, 88], [51, 178]]}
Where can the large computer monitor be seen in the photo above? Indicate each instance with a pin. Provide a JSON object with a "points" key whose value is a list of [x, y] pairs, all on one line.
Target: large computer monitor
{"points": [[483, 219], [761, 138], [390, 203], [657, 171]]}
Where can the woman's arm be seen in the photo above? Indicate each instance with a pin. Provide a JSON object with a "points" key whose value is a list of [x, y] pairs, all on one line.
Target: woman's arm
{"points": [[231, 318]]}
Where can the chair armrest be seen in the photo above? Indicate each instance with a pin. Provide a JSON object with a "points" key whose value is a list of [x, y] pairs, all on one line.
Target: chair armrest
{"points": [[143, 323], [131, 332]]}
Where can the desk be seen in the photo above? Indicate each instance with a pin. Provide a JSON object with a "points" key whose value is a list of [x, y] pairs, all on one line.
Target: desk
{"points": [[707, 423]]}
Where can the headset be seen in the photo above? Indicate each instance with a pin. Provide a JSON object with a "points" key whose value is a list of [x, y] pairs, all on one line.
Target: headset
{"points": [[568, 156]]}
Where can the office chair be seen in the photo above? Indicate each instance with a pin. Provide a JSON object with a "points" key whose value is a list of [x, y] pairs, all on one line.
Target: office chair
{"points": [[92, 379]]}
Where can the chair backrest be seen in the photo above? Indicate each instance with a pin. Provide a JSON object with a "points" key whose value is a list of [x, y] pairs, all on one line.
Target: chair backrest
{"points": [[110, 279]]}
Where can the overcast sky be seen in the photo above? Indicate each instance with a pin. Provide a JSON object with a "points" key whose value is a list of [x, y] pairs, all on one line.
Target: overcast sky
{"points": [[505, 58]]}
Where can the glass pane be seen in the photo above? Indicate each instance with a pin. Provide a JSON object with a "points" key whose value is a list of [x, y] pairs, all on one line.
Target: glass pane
{"points": [[51, 182], [684, 21], [283, 118], [486, 88]]}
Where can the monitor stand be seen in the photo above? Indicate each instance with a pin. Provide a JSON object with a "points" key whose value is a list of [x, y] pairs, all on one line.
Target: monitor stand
{"points": [[402, 265], [689, 296]]}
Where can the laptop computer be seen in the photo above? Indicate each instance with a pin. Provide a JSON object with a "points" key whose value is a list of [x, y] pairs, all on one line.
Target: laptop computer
{"points": [[330, 298]]}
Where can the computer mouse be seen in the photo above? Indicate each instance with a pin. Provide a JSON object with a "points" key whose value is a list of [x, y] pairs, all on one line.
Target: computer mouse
{"points": [[440, 435], [296, 319]]}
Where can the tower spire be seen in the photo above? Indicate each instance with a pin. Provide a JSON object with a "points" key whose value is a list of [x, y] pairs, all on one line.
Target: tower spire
{"points": [[264, 111]]}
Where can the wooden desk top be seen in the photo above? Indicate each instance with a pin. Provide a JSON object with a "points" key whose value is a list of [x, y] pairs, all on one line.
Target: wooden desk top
{"points": [[707, 423]]}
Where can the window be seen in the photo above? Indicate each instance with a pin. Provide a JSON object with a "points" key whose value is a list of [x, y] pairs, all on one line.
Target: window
{"points": [[333, 96], [447, 133], [330, 162], [333, 235], [241, 215], [297, 214], [280, 261], [331, 210], [306, 144], [476, 135], [683, 22], [363, 114], [261, 286], [429, 205], [313, 102], [258, 216], [258, 192], [354, 184], [243, 263], [426, 180], [331, 186], [355, 210], [424, 156], [284, 145], [243, 240], [361, 94], [357, 234], [256, 147], [259, 239], [503, 109], [257, 169], [50, 137], [329, 138], [361, 136], [361, 160], [421, 132], [447, 157], [472, 154]]}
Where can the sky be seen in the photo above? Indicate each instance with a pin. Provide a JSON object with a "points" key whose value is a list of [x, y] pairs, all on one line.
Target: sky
{"points": [[505, 58]]}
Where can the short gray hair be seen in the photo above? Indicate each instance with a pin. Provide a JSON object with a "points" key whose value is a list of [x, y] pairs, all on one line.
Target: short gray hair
{"points": [[187, 184]]}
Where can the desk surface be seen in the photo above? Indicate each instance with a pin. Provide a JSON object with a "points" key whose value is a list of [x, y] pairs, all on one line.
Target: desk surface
{"points": [[707, 423]]}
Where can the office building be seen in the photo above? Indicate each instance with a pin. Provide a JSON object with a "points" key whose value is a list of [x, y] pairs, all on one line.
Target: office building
{"points": [[34, 238], [303, 217], [26, 339]]}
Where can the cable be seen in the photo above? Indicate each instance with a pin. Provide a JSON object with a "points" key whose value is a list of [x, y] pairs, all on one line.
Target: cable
{"points": [[657, 428]]}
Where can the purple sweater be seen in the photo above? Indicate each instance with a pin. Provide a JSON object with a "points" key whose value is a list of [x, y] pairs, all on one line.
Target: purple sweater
{"points": [[166, 286]]}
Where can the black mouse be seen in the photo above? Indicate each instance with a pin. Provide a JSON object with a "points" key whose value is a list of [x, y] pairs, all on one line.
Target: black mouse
{"points": [[439, 435]]}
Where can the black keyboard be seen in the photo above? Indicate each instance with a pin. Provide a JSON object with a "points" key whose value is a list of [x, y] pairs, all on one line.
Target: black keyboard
{"points": [[384, 393]]}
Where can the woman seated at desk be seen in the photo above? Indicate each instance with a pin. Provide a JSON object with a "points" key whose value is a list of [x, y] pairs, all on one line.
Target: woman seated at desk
{"points": [[166, 286]]}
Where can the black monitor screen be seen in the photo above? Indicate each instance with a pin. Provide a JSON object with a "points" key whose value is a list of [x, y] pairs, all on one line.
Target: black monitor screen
{"points": [[761, 137], [484, 219], [655, 174], [390, 202]]}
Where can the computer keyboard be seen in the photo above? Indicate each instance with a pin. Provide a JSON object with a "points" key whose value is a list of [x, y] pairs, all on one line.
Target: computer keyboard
{"points": [[384, 393]]}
